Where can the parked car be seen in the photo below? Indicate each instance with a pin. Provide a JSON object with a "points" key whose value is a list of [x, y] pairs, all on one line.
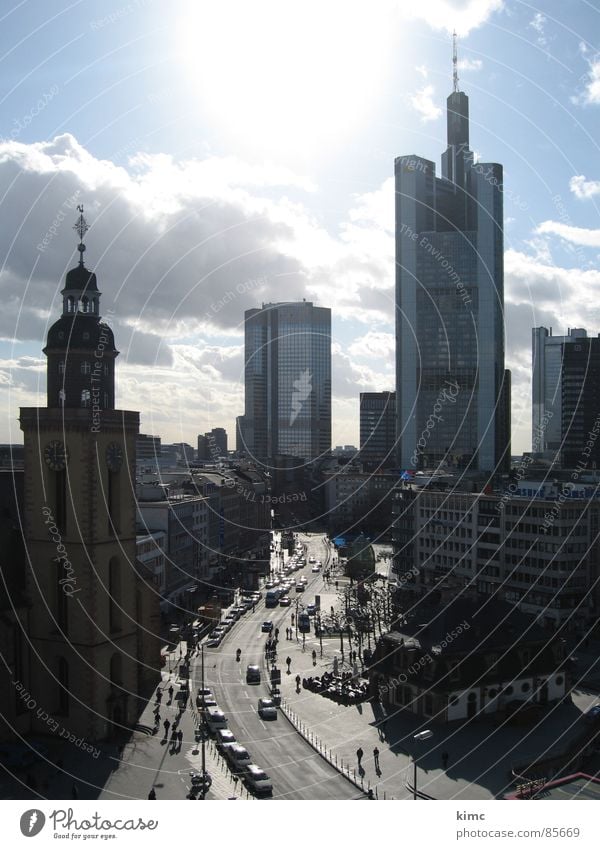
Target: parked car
{"points": [[215, 719], [237, 756], [205, 701], [257, 780], [267, 709], [224, 737]]}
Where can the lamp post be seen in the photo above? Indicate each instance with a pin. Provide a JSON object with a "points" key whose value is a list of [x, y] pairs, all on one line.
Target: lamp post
{"points": [[202, 730], [422, 735]]}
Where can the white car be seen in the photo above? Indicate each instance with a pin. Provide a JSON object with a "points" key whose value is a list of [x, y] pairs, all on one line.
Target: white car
{"points": [[258, 781], [237, 756]]}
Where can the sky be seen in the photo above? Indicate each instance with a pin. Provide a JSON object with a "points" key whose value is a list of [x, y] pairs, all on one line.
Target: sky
{"points": [[235, 153]]}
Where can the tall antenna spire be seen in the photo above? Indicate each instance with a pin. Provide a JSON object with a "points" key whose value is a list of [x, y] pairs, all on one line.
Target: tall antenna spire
{"points": [[454, 61], [81, 226]]}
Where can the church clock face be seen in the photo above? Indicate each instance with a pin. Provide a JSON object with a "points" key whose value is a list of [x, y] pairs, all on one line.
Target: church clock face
{"points": [[56, 455], [114, 456]]}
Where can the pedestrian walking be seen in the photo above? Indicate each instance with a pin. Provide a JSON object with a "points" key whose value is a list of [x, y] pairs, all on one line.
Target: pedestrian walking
{"points": [[171, 693], [376, 757], [152, 794], [445, 757], [288, 660], [166, 726], [359, 755]]}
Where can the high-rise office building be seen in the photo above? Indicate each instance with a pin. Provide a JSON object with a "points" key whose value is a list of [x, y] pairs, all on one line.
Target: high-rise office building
{"points": [[287, 381], [212, 445], [581, 405], [453, 404], [377, 430], [547, 352]]}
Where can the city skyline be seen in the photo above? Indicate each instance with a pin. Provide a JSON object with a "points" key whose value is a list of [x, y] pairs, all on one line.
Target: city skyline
{"points": [[193, 222]]}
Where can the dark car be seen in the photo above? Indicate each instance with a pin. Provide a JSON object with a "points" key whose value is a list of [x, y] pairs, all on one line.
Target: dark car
{"points": [[253, 674], [267, 627]]}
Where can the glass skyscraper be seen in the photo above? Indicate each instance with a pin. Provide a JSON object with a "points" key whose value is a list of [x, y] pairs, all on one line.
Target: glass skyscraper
{"points": [[287, 381], [452, 392]]}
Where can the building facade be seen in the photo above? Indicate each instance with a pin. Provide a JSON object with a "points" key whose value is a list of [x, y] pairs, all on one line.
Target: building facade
{"points": [[580, 410], [535, 546], [287, 382], [547, 353], [91, 612], [377, 430], [453, 402]]}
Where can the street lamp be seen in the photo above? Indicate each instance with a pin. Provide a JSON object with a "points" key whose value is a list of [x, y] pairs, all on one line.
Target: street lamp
{"points": [[422, 735]]}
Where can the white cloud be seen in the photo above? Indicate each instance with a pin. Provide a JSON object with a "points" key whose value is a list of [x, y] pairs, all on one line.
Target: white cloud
{"points": [[423, 70], [422, 102], [591, 81], [584, 189], [460, 15], [375, 345], [576, 235], [537, 22], [470, 64], [181, 249]]}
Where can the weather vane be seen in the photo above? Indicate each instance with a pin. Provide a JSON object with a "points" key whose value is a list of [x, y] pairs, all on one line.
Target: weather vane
{"points": [[81, 227]]}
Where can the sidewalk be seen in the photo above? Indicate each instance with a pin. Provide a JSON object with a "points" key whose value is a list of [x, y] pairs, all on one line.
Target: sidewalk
{"points": [[480, 755]]}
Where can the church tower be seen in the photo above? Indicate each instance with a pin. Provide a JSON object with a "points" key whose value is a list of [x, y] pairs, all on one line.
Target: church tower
{"points": [[90, 659]]}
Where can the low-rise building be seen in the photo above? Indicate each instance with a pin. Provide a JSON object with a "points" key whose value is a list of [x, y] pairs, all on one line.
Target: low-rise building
{"points": [[460, 655], [535, 544]]}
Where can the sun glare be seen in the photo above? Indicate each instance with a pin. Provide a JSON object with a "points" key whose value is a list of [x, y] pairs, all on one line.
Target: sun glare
{"points": [[284, 76]]}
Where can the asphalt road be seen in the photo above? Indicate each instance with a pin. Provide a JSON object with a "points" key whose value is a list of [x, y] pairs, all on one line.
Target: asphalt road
{"points": [[296, 770]]}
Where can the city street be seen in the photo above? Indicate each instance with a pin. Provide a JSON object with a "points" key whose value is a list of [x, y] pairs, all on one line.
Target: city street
{"points": [[296, 770]]}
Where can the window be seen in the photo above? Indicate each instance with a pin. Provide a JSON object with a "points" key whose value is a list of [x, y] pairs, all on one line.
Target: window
{"points": [[63, 687], [86, 367], [85, 397], [61, 367], [114, 594], [62, 601]]}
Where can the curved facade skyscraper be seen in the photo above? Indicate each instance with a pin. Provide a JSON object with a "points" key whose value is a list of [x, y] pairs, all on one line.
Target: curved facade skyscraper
{"points": [[452, 391], [287, 381]]}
